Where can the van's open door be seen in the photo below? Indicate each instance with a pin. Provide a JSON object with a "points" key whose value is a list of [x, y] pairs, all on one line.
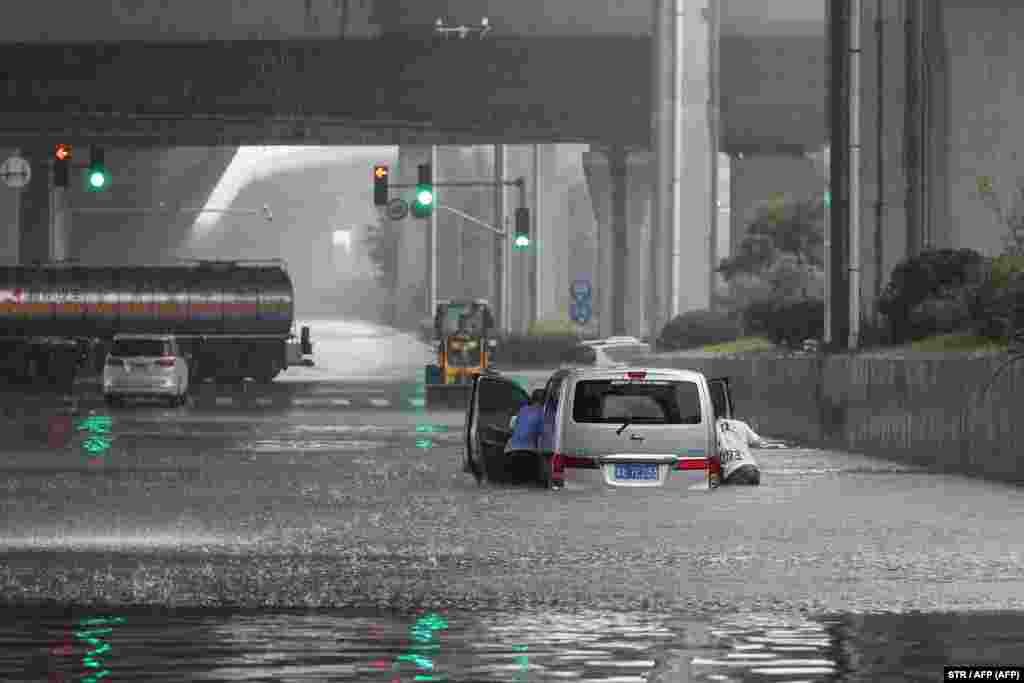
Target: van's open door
{"points": [[721, 397], [493, 403]]}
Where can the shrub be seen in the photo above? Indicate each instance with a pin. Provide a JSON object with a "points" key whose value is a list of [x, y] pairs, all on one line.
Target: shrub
{"points": [[533, 350], [558, 327], [874, 333], [1003, 267], [994, 299], [788, 323], [698, 328], [757, 318], [932, 274]]}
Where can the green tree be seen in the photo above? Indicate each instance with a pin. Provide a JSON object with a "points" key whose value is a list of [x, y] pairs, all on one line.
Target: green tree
{"points": [[1010, 213], [382, 247], [781, 257]]}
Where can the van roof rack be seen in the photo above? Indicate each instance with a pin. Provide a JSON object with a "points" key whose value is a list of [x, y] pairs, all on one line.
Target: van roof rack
{"points": [[233, 263]]}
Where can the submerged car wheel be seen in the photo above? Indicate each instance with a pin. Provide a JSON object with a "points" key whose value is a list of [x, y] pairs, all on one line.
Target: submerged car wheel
{"points": [[494, 466]]}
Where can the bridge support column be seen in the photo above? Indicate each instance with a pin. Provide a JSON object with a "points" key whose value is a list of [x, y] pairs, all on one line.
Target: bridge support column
{"points": [[43, 223], [620, 182]]}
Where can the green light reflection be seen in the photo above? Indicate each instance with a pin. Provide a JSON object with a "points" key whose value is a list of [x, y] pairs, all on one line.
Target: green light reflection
{"points": [[101, 649]]}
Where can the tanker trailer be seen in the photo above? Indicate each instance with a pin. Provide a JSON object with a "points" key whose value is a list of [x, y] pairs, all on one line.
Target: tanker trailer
{"points": [[233, 319]]}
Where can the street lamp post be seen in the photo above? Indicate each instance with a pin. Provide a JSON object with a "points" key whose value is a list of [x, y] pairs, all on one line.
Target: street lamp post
{"points": [[265, 212]]}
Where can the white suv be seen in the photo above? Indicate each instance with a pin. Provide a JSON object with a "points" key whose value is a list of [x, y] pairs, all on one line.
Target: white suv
{"points": [[145, 365]]}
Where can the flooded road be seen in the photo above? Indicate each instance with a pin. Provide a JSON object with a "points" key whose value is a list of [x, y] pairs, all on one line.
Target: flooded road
{"points": [[195, 529], [517, 646]]}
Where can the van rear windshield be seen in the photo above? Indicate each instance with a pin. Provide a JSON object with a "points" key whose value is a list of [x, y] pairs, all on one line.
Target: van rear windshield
{"points": [[137, 347], [619, 401]]}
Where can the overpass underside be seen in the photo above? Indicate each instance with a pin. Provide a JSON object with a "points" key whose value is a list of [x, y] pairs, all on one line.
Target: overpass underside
{"points": [[415, 92]]}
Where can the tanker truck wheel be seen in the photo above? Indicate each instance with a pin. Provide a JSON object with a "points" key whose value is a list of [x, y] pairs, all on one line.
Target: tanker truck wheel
{"points": [[266, 376]]}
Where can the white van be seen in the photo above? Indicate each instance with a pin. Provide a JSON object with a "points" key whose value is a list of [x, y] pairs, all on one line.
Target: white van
{"points": [[615, 425]]}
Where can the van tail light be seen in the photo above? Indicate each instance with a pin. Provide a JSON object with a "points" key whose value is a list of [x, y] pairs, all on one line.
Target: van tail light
{"points": [[558, 467], [697, 464], [166, 361]]}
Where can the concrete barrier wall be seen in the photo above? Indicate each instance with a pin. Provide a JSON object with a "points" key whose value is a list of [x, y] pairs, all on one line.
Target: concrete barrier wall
{"points": [[922, 410]]}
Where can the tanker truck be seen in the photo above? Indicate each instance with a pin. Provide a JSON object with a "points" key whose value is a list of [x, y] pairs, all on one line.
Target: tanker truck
{"points": [[233, 319]]}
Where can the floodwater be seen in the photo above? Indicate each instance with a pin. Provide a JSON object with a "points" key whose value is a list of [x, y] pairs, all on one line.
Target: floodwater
{"points": [[223, 543], [477, 647]]}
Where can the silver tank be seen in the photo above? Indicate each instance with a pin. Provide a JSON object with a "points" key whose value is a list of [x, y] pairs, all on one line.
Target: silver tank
{"points": [[100, 301]]}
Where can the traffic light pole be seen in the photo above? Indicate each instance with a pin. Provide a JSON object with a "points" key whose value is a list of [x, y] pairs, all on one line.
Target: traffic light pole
{"points": [[265, 211], [518, 182], [474, 220], [432, 248]]}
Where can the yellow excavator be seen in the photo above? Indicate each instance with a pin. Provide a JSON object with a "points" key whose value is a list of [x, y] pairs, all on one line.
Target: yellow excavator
{"points": [[464, 339]]}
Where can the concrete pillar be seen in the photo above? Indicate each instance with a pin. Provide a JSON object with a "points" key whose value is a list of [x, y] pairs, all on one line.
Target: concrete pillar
{"points": [[694, 252], [553, 241], [618, 169], [639, 204], [43, 223], [9, 200], [522, 286], [883, 153], [620, 184]]}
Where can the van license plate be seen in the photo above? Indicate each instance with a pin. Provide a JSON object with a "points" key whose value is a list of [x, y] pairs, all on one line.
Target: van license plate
{"points": [[636, 471]]}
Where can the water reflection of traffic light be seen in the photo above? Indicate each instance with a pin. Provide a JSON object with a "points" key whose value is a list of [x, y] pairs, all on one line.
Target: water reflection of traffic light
{"points": [[98, 437], [95, 628], [523, 661], [424, 634]]}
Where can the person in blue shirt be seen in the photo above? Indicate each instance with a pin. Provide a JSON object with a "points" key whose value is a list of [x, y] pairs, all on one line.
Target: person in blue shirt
{"points": [[526, 438], [528, 425]]}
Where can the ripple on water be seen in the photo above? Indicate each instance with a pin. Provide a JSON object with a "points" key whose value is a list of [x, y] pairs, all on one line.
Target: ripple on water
{"points": [[769, 645], [302, 445]]}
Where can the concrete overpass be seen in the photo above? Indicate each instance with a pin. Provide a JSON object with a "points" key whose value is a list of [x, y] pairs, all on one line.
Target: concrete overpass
{"points": [[302, 74]]}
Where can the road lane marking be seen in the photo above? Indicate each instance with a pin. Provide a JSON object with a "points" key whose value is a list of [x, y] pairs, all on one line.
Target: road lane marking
{"points": [[379, 402], [340, 402], [417, 402]]}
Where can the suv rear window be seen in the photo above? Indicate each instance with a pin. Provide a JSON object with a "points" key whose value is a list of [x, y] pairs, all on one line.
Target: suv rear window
{"points": [[651, 402], [137, 347]]}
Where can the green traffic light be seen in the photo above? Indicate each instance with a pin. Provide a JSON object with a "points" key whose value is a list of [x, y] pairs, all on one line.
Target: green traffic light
{"points": [[522, 241], [97, 179], [423, 204]]}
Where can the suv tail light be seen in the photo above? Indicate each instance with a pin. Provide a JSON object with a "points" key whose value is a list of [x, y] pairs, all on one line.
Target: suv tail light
{"points": [[166, 361]]}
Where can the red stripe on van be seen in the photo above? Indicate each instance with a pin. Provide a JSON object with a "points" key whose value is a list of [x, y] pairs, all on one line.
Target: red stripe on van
{"points": [[579, 462], [692, 464]]}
